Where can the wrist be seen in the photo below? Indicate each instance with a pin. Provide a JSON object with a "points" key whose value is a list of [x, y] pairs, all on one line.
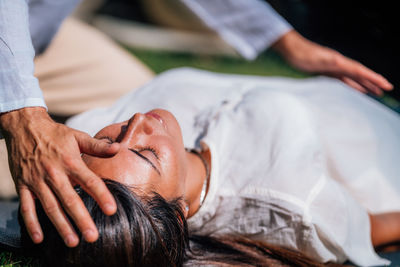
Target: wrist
{"points": [[12, 120], [286, 43], [293, 46]]}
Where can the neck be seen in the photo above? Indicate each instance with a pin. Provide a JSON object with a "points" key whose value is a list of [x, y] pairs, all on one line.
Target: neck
{"points": [[197, 174]]}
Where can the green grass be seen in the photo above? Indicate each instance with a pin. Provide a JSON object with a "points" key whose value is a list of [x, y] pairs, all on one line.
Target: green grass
{"points": [[10, 259], [268, 64]]}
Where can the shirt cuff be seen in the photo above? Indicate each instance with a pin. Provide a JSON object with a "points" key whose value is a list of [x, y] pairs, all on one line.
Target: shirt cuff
{"points": [[22, 103], [248, 26]]}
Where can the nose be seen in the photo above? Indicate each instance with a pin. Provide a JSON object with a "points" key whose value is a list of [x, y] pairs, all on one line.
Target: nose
{"points": [[136, 125]]}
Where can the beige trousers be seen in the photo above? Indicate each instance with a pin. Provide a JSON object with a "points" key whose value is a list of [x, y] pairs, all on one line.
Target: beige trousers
{"points": [[81, 69], [84, 69]]}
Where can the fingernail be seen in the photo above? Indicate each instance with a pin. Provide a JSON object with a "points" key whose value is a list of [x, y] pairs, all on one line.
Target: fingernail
{"points": [[109, 208], [115, 145], [389, 84], [70, 240], [36, 237], [90, 235]]}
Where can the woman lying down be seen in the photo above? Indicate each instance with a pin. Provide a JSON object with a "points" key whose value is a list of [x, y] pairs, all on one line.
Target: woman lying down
{"points": [[225, 170]]}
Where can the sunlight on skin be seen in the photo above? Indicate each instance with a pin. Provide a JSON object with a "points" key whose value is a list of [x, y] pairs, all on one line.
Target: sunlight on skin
{"points": [[152, 157]]}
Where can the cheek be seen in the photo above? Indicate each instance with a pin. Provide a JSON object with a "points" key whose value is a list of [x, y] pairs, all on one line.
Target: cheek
{"points": [[174, 162]]}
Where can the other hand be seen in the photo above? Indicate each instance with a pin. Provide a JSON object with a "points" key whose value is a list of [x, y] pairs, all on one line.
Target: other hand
{"points": [[45, 162], [311, 57]]}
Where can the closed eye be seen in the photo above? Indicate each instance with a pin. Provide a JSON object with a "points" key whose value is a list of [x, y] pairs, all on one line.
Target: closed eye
{"points": [[145, 159], [137, 152], [152, 150]]}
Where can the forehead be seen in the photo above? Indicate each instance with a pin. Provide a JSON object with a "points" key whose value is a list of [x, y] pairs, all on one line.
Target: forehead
{"points": [[125, 167]]}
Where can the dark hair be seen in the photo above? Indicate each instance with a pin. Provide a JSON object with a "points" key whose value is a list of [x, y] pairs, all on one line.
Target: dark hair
{"points": [[151, 231], [145, 231]]}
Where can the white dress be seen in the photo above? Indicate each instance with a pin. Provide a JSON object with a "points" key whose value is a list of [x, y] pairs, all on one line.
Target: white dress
{"points": [[295, 162]]}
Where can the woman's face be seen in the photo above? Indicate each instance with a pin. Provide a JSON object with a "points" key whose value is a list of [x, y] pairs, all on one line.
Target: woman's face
{"points": [[152, 154]]}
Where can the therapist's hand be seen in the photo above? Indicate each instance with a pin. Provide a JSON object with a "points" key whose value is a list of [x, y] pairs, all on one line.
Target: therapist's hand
{"points": [[45, 162], [311, 57]]}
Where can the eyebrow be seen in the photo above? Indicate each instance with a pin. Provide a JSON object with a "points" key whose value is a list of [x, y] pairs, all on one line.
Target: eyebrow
{"points": [[146, 159]]}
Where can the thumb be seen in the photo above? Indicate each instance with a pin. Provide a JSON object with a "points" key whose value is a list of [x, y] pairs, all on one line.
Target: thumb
{"points": [[95, 147]]}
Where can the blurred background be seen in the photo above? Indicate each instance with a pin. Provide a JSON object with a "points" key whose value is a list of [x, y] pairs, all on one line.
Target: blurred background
{"points": [[164, 35]]}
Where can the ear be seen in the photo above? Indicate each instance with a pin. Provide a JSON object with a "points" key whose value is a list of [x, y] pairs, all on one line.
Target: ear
{"points": [[186, 210]]}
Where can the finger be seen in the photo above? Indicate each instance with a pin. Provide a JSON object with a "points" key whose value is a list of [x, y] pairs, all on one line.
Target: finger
{"points": [[363, 86], [95, 147], [372, 87], [353, 84], [357, 71], [374, 79], [74, 206], [95, 187], [28, 212], [56, 215]]}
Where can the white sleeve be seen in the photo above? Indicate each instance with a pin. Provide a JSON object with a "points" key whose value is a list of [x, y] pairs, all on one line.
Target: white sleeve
{"points": [[250, 26], [18, 87]]}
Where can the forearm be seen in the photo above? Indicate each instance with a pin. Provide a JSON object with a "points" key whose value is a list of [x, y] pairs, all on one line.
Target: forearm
{"points": [[288, 43], [385, 228], [300, 51]]}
